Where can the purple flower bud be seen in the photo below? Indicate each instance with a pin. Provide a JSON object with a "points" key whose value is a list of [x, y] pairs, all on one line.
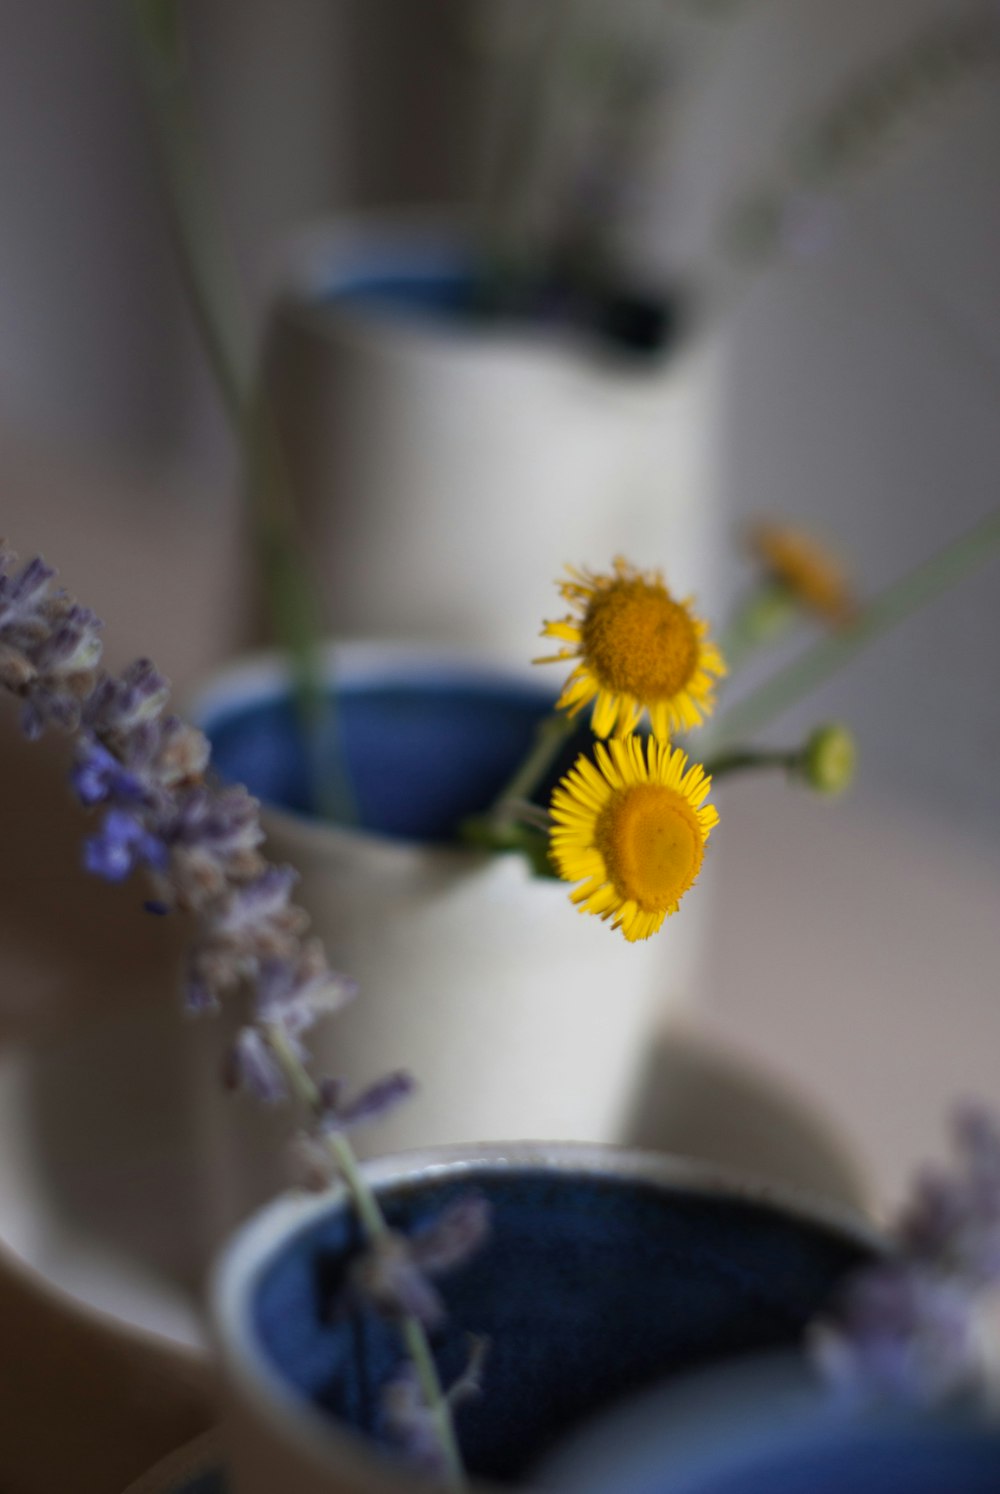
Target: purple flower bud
{"points": [[251, 1065], [122, 844], [23, 594], [199, 998], [902, 1334], [98, 776], [387, 1275], [457, 1234], [371, 1104], [953, 1221], [408, 1420], [72, 646], [409, 1423], [120, 704]]}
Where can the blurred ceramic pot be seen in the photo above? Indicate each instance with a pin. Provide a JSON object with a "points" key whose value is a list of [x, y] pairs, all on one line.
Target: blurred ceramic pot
{"points": [[767, 1423], [604, 1270], [449, 467], [518, 1016]]}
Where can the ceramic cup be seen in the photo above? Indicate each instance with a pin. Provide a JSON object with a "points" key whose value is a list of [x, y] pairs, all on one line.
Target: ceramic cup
{"points": [[518, 1016], [605, 1270], [450, 467]]}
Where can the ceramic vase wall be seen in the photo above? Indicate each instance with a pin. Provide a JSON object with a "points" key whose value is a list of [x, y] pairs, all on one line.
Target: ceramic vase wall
{"points": [[448, 468], [518, 1016]]}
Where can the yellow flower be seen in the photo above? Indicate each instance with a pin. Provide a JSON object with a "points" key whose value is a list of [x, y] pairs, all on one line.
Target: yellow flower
{"points": [[632, 831], [639, 649], [805, 569]]}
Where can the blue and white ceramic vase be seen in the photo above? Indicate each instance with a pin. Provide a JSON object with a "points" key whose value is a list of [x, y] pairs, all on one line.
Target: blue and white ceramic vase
{"points": [[449, 466], [605, 1271], [519, 1017]]}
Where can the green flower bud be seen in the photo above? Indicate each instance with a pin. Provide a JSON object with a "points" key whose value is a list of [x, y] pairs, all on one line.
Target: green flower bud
{"points": [[829, 758]]}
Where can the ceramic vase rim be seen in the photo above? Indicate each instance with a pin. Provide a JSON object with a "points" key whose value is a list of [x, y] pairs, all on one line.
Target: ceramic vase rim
{"points": [[264, 674], [252, 1248]]}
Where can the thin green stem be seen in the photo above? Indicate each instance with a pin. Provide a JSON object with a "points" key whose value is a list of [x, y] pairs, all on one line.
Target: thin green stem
{"points": [[550, 737], [740, 759], [907, 595], [762, 618], [375, 1226], [212, 280]]}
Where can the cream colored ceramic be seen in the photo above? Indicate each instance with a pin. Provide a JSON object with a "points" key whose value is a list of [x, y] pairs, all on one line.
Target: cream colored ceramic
{"points": [[518, 1016], [449, 469]]}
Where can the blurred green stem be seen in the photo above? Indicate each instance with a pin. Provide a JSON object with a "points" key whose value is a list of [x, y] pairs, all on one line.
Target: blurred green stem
{"points": [[907, 595], [740, 759], [212, 280]]}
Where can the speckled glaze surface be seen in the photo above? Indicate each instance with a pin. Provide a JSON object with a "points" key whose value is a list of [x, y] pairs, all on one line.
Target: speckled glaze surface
{"points": [[606, 1270]]}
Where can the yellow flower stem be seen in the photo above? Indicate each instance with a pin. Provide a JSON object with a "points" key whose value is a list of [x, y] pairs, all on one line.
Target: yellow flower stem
{"points": [[891, 607], [211, 281], [373, 1222]]}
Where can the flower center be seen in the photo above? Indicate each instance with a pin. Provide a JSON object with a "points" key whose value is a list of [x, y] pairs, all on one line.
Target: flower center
{"points": [[651, 843], [639, 641]]}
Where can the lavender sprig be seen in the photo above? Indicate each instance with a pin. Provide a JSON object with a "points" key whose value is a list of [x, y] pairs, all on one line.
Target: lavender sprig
{"points": [[144, 771], [915, 1327]]}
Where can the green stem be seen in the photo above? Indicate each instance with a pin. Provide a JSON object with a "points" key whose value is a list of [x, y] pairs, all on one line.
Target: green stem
{"points": [[551, 735], [738, 759], [373, 1222], [211, 281], [907, 595], [762, 618]]}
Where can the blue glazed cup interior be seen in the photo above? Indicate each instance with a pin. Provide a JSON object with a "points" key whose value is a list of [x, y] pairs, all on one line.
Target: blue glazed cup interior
{"points": [[421, 752], [591, 1286], [388, 279]]}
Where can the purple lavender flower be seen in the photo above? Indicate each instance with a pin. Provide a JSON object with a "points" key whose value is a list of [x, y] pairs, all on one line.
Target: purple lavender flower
{"points": [[902, 1333], [200, 843], [407, 1418], [954, 1218], [373, 1103], [122, 844], [97, 776], [49, 647], [119, 705], [395, 1271], [387, 1274], [251, 1065], [913, 1327], [409, 1424]]}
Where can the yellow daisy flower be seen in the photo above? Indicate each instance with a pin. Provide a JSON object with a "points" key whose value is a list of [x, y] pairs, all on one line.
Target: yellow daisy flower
{"points": [[631, 829], [639, 650], [804, 568]]}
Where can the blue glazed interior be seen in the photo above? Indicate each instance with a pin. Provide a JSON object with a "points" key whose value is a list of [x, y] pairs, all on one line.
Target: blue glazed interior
{"points": [[589, 1289], [435, 285], [421, 756]]}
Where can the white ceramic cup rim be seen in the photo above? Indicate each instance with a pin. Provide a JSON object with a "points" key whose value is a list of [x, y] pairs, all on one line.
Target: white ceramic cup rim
{"points": [[253, 1247], [265, 675]]}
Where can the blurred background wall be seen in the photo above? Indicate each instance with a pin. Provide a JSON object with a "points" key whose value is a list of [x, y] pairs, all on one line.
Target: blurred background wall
{"points": [[862, 374]]}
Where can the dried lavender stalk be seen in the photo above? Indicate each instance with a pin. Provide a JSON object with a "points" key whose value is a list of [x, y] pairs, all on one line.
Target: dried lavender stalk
{"points": [[145, 773]]}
